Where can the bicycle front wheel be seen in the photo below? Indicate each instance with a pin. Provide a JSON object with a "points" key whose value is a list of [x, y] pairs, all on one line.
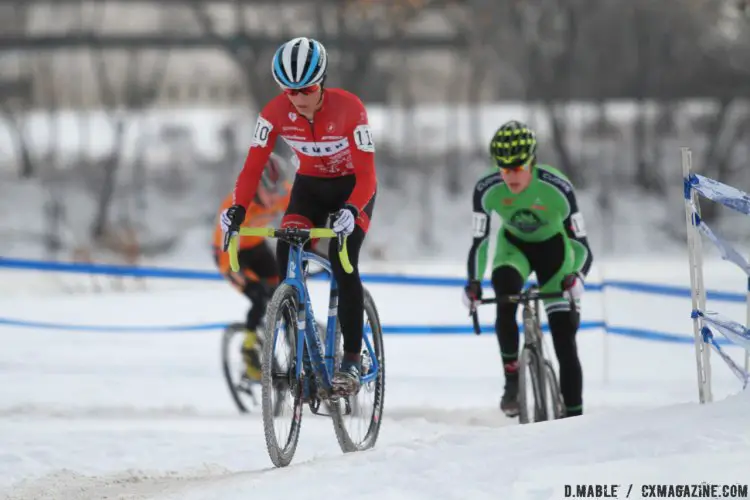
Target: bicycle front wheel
{"points": [[530, 392], [357, 419], [281, 390], [554, 403]]}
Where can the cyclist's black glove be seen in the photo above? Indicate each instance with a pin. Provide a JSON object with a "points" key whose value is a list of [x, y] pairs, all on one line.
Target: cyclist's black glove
{"points": [[472, 293], [230, 221]]}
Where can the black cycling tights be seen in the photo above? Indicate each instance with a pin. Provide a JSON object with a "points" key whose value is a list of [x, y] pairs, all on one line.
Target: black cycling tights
{"points": [[563, 327], [351, 296], [260, 260]]}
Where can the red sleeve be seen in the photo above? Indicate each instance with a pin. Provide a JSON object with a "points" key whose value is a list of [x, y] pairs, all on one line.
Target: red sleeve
{"points": [[363, 158], [264, 139]]}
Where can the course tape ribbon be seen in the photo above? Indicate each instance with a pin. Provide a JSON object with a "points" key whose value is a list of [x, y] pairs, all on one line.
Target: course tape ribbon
{"points": [[374, 278], [387, 329]]}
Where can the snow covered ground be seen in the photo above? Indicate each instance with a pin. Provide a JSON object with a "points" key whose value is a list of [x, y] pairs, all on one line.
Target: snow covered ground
{"points": [[97, 414]]}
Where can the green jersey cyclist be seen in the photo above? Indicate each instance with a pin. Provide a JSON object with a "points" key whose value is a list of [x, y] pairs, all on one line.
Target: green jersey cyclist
{"points": [[542, 231]]}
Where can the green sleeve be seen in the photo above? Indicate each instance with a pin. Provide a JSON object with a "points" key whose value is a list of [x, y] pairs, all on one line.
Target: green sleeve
{"points": [[573, 222]]}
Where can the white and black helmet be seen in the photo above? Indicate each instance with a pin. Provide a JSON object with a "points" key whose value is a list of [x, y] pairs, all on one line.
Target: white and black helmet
{"points": [[299, 63]]}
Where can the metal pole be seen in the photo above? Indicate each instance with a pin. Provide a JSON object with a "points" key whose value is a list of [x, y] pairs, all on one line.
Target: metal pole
{"points": [[698, 295]]}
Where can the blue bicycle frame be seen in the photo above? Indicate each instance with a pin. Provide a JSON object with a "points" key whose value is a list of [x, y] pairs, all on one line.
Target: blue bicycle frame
{"points": [[322, 361]]}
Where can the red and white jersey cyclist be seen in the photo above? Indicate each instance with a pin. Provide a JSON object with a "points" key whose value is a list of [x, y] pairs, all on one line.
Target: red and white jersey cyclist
{"points": [[335, 141], [331, 137]]}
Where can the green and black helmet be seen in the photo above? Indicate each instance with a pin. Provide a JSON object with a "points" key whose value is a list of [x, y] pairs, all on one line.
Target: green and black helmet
{"points": [[513, 145]]}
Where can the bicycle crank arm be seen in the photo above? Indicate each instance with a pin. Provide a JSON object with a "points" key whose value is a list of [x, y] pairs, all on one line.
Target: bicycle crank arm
{"points": [[315, 405]]}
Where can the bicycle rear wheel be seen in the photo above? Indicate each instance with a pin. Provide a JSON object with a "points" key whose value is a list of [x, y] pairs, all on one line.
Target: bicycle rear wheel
{"points": [[530, 392], [363, 412], [278, 379], [233, 367]]}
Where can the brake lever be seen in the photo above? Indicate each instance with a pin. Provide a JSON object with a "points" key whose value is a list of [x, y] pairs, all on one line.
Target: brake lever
{"points": [[228, 237]]}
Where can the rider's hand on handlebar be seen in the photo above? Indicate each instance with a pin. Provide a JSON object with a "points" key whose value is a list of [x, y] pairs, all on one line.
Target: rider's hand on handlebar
{"points": [[572, 285], [344, 220], [230, 221], [472, 293]]}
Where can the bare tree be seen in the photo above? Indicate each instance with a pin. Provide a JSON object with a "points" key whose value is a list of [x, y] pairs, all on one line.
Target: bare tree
{"points": [[250, 60], [478, 22], [16, 89], [15, 98], [140, 78], [553, 49]]}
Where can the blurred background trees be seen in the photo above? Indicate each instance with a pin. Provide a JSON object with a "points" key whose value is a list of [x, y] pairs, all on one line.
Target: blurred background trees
{"points": [[114, 113]]}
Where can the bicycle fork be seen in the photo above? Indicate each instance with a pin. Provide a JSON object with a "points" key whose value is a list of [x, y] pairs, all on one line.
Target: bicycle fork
{"points": [[311, 339], [533, 340]]}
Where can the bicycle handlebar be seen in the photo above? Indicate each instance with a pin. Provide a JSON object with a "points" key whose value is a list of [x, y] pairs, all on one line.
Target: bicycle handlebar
{"points": [[300, 234], [517, 298], [522, 297]]}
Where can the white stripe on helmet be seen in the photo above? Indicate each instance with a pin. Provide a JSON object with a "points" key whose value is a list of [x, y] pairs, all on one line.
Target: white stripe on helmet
{"points": [[304, 48], [286, 60]]}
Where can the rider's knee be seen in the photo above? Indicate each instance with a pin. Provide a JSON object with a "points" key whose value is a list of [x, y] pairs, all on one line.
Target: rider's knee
{"points": [[506, 280]]}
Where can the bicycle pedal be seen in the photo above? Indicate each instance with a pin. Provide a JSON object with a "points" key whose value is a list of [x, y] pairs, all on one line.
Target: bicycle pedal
{"points": [[246, 383], [315, 405], [246, 389]]}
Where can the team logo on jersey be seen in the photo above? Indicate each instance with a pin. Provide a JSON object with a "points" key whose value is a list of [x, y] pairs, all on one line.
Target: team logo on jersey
{"points": [[553, 179], [293, 116], [507, 201], [330, 128], [526, 221], [489, 181], [538, 204], [321, 148]]}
